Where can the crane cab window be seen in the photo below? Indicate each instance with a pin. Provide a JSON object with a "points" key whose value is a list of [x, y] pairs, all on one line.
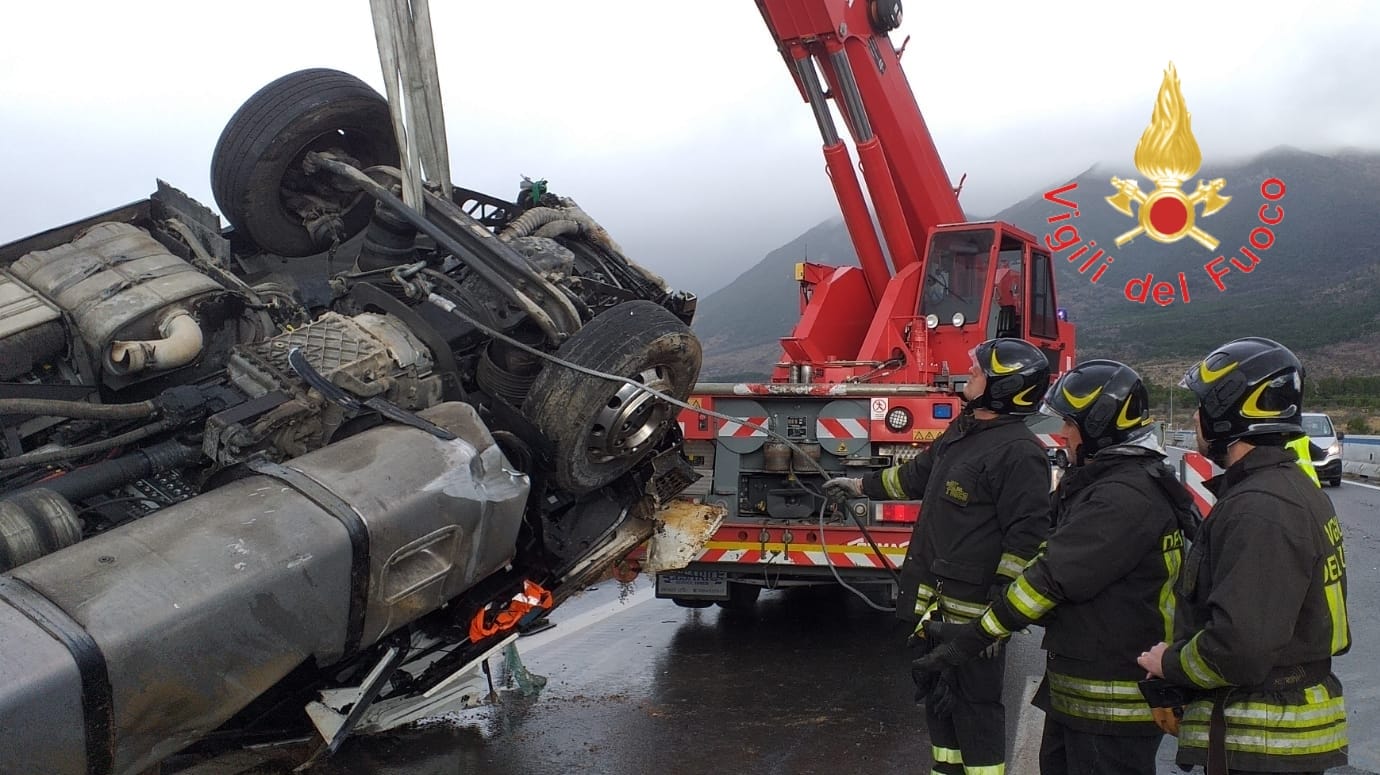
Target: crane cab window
{"points": [[1044, 315], [956, 272], [1004, 315]]}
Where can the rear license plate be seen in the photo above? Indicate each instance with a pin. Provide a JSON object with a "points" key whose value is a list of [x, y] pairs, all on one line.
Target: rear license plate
{"points": [[703, 584]]}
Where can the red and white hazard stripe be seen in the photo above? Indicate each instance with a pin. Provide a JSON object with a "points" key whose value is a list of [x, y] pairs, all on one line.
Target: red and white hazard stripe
{"points": [[738, 430], [839, 556], [1051, 440], [1196, 471], [835, 428]]}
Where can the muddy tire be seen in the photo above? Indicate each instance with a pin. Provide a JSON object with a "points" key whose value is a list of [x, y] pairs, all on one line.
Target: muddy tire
{"points": [[256, 170], [600, 429]]}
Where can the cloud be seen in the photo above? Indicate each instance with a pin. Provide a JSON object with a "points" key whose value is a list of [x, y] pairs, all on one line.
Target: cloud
{"points": [[677, 126]]}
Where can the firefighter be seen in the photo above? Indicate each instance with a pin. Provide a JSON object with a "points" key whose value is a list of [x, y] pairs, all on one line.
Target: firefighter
{"points": [[1262, 595], [1102, 586], [985, 486]]}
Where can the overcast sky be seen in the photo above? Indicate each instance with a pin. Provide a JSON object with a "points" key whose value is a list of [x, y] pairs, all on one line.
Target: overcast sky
{"points": [[674, 124]]}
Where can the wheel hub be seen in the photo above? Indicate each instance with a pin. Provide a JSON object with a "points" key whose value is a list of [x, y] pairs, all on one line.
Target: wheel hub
{"points": [[630, 419]]}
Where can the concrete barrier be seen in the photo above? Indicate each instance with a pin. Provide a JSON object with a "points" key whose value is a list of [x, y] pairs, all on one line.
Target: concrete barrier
{"points": [[1361, 449], [1361, 456], [1363, 470]]}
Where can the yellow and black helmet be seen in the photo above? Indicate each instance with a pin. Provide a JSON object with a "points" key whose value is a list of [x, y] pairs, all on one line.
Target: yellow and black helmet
{"points": [[1247, 388], [1017, 376], [1106, 400]]}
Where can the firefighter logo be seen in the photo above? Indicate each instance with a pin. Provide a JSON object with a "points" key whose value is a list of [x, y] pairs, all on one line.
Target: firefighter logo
{"points": [[1168, 155]]}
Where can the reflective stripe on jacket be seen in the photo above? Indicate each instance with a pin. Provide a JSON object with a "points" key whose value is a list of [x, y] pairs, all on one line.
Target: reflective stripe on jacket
{"points": [[1103, 589], [1264, 592], [985, 491]]}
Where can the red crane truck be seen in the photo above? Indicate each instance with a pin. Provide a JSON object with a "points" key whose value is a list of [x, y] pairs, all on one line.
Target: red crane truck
{"points": [[871, 373]]}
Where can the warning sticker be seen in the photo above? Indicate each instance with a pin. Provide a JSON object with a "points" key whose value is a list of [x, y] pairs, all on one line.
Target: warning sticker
{"points": [[879, 406]]}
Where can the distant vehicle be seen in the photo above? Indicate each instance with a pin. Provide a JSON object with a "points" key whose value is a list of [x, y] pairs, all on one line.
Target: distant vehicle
{"points": [[1046, 429], [1326, 437]]}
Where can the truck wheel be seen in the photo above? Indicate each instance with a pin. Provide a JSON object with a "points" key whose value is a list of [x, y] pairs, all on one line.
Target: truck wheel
{"points": [[256, 169], [599, 428], [741, 597], [1061, 459], [689, 602], [1336, 482]]}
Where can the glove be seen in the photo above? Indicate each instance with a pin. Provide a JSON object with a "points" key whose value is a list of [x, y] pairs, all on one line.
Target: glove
{"points": [[1166, 702], [842, 488], [924, 680], [958, 643], [1167, 719], [943, 697]]}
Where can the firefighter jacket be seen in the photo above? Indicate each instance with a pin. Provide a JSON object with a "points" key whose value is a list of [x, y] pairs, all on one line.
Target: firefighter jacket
{"points": [[1262, 611], [985, 491], [1103, 588]]}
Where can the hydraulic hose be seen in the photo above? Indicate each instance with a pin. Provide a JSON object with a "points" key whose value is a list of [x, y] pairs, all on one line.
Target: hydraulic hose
{"points": [[386, 197], [531, 222], [107, 475], [76, 410], [67, 453], [451, 307]]}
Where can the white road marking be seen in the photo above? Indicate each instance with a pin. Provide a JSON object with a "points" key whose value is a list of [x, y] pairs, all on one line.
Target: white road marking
{"points": [[587, 619]]}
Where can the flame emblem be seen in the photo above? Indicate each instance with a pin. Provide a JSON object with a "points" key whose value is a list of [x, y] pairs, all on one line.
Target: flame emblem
{"points": [[1168, 154]]}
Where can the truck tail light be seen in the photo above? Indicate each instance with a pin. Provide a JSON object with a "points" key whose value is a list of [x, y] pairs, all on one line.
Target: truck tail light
{"points": [[898, 512]]}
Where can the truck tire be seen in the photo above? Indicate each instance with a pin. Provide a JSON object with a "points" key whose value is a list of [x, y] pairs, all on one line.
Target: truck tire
{"points": [[690, 602], [741, 597], [257, 164], [600, 429]]}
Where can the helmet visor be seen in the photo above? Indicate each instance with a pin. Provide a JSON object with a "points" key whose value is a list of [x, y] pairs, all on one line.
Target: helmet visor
{"points": [[1186, 381], [1048, 411]]}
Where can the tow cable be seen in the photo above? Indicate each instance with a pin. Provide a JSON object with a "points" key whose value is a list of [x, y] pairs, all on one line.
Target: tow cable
{"points": [[418, 287]]}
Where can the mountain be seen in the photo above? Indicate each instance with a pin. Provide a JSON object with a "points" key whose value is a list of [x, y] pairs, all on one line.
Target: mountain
{"points": [[1315, 287]]}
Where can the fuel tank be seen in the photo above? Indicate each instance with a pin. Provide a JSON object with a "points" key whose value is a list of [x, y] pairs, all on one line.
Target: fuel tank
{"points": [[127, 647]]}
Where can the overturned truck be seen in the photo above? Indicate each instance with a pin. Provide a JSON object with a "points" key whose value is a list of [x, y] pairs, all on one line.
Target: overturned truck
{"points": [[335, 450]]}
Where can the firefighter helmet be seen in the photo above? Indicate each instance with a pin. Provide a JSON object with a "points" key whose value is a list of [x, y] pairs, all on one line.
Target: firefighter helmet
{"points": [[1017, 376], [1247, 388], [1106, 400]]}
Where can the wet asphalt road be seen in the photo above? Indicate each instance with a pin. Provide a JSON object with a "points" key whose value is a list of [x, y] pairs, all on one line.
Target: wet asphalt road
{"points": [[812, 681]]}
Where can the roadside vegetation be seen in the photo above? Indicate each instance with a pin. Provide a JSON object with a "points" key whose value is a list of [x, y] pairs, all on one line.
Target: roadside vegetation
{"points": [[1352, 402]]}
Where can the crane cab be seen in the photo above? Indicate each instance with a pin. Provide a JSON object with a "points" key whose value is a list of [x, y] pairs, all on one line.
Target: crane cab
{"points": [[982, 281]]}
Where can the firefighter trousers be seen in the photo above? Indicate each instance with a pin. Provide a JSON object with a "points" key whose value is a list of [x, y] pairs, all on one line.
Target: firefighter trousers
{"points": [[1066, 751], [971, 738]]}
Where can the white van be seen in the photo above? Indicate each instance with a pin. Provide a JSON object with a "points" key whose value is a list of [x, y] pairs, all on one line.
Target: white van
{"points": [[1325, 436]]}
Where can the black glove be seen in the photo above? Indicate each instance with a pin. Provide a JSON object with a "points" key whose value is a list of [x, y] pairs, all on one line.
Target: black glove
{"points": [[842, 488], [944, 696], [958, 643], [924, 679], [925, 682]]}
